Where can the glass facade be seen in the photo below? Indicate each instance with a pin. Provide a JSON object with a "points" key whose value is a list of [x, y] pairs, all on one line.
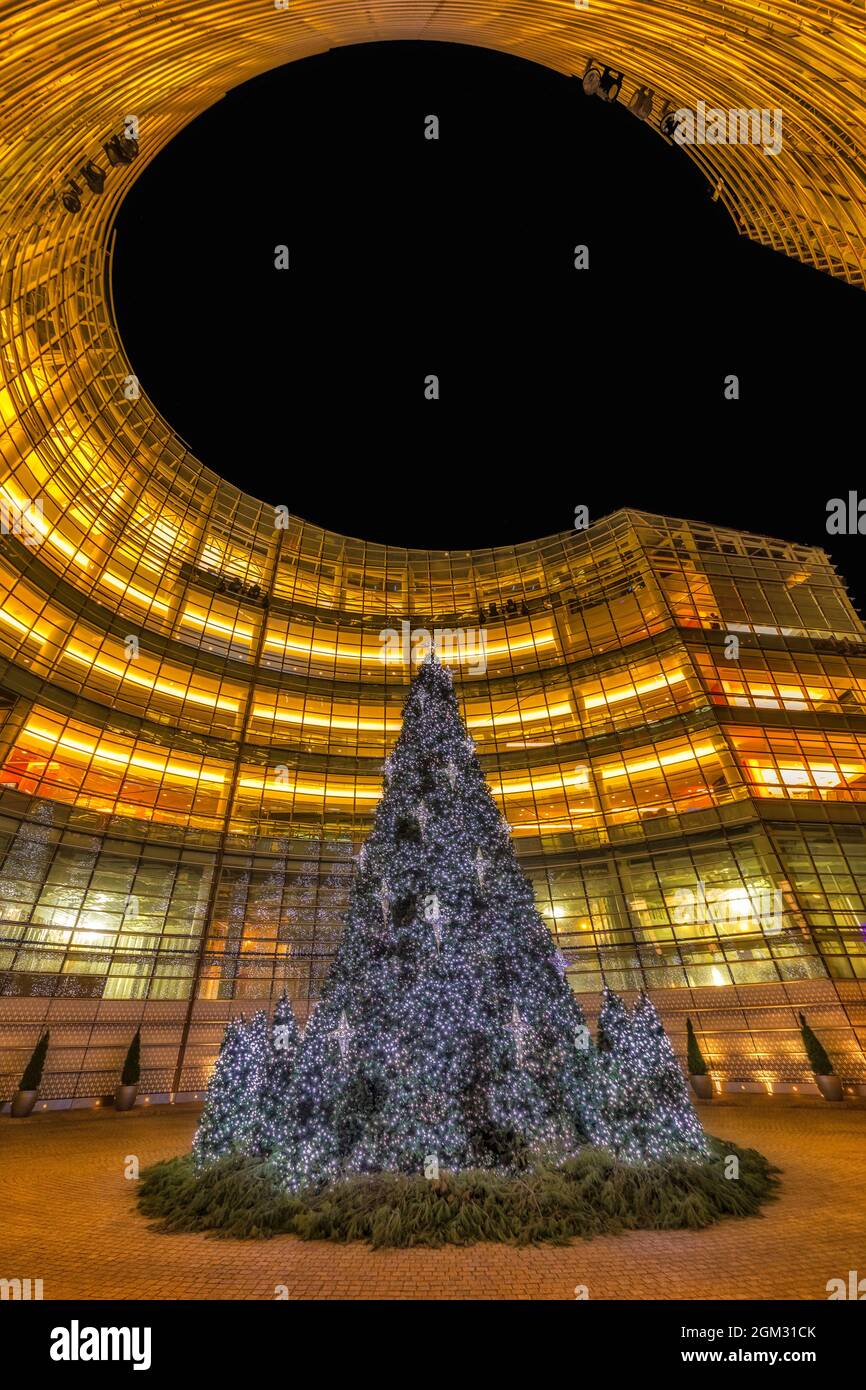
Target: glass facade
{"points": [[196, 697], [670, 715]]}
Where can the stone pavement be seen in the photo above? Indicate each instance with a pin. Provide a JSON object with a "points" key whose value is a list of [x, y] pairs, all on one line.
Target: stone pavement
{"points": [[67, 1216]]}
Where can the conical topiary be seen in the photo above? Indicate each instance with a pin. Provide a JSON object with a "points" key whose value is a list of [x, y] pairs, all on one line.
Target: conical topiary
{"points": [[131, 1074], [696, 1064], [32, 1074], [818, 1059]]}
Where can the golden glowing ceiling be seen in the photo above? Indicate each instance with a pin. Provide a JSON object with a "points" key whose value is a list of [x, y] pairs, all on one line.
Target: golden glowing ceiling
{"points": [[73, 73]]}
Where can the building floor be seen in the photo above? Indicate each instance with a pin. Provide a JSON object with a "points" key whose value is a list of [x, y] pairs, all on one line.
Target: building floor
{"points": [[68, 1216]]}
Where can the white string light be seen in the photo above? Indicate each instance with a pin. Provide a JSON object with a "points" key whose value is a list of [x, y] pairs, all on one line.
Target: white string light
{"points": [[458, 1043]]}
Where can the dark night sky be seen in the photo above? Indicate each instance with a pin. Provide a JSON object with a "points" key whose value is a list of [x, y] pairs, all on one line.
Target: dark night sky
{"points": [[411, 256]]}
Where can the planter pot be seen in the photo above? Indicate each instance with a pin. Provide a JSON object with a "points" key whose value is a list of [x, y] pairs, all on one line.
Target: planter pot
{"points": [[830, 1087], [23, 1103], [702, 1086], [124, 1097]]}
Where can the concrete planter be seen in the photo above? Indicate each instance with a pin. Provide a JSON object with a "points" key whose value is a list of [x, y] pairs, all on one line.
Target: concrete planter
{"points": [[830, 1087], [23, 1103], [702, 1086], [124, 1097]]}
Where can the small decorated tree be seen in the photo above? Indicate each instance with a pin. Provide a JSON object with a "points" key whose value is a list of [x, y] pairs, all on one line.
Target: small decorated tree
{"points": [[614, 1101], [277, 1072], [641, 1109], [229, 1117], [672, 1127]]}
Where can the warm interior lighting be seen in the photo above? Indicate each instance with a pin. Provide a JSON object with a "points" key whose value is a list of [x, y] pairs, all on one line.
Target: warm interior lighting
{"points": [[129, 591], [119, 757], [822, 775], [236, 631], [26, 631], [333, 651], [359, 722], [118, 483], [631, 692], [578, 778], [521, 716], [685, 755], [34, 521], [140, 678], [326, 790], [325, 721], [776, 696]]}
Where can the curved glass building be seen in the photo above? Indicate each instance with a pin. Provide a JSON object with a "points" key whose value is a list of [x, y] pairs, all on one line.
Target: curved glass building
{"points": [[196, 696], [199, 694]]}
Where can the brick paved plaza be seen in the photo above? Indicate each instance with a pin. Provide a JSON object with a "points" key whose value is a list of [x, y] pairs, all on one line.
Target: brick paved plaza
{"points": [[67, 1215]]}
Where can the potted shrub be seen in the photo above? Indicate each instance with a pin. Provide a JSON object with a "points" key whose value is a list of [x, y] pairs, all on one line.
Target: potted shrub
{"points": [[124, 1096], [827, 1081], [702, 1083], [25, 1096]]}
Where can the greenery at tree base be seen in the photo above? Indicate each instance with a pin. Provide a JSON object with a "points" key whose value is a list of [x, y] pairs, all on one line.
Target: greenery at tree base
{"points": [[818, 1059], [588, 1195], [131, 1074], [32, 1075], [696, 1064]]}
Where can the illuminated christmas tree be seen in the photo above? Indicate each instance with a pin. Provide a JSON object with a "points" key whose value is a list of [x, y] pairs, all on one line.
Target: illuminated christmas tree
{"points": [[638, 1102], [675, 1127], [228, 1120], [612, 1099], [275, 1082], [446, 1034]]}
